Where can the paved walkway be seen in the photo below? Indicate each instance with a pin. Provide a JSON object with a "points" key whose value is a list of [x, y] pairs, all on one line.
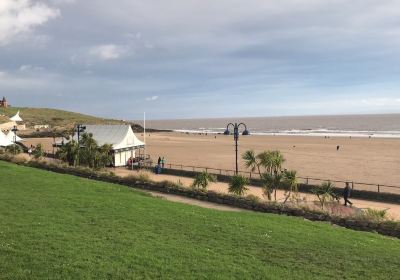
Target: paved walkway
{"points": [[392, 209]]}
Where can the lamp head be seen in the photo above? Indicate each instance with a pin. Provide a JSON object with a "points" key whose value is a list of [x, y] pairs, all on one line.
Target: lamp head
{"points": [[246, 132]]}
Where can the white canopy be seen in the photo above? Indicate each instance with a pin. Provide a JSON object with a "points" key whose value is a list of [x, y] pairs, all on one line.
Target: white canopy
{"points": [[119, 136], [16, 118], [10, 137], [4, 142]]}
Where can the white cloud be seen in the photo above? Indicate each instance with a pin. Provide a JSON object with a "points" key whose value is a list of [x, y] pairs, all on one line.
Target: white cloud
{"points": [[22, 16], [26, 68], [107, 52], [152, 98]]}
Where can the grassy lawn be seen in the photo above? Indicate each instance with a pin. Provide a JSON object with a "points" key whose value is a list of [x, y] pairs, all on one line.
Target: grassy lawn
{"points": [[58, 226]]}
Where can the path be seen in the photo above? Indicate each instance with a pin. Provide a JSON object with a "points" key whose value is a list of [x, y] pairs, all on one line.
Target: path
{"points": [[393, 210]]}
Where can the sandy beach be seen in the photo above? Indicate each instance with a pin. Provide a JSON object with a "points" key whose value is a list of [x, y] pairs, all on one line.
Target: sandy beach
{"points": [[374, 161]]}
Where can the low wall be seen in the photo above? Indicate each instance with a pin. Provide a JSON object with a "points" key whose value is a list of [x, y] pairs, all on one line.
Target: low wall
{"points": [[389, 228]]}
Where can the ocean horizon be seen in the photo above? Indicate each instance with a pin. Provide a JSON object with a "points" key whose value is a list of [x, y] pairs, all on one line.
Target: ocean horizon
{"points": [[367, 125]]}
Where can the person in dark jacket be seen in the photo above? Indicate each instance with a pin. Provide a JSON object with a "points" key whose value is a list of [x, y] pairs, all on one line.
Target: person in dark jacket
{"points": [[159, 160], [346, 194]]}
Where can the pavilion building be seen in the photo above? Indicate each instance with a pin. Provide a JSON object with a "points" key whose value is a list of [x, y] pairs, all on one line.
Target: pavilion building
{"points": [[125, 144]]}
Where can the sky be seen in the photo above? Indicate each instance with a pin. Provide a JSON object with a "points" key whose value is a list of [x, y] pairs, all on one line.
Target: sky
{"points": [[201, 59]]}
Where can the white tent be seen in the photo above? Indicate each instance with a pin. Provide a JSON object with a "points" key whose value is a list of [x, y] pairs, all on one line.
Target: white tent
{"points": [[10, 137], [4, 142], [16, 118], [124, 142]]}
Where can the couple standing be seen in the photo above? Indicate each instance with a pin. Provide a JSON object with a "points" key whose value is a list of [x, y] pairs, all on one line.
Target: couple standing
{"points": [[161, 161]]}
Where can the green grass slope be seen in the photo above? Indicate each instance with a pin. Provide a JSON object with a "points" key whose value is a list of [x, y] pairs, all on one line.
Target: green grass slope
{"points": [[55, 118], [55, 226]]}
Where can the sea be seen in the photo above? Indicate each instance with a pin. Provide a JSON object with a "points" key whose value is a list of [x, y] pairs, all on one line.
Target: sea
{"points": [[377, 125]]}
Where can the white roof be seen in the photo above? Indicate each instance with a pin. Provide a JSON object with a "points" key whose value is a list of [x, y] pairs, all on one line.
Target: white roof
{"points": [[16, 118], [119, 136], [10, 137], [4, 142]]}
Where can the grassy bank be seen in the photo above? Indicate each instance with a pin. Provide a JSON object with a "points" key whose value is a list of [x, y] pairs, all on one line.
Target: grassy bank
{"points": [[59, 226], [53, 117]]}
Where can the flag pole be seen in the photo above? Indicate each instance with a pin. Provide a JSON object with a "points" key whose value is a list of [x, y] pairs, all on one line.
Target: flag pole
{"points": [[144, 133]]}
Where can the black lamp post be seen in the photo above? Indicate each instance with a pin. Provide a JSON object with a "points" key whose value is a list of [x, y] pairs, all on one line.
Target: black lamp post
{"points": [[79, 129], [236, 137], [14, 130]]}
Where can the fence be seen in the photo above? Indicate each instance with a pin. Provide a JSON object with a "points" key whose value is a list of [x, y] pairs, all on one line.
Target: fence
{"points": [[379, 188]]}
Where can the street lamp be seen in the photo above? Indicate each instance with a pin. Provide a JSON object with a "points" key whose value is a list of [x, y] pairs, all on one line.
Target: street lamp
{"points": [[79, 128], [236, 137], [14, 130]]}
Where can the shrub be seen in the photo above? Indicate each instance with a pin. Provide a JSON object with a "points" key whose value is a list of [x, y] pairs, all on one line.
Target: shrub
{"points": [[202, 180], [325, 192], [18, 159], [38, 152], [237, 185], [374, 214], [14, 149], [253, 198], [144, 176]]}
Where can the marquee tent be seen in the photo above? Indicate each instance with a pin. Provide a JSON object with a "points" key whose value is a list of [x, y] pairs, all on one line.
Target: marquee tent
{"points": [[10, 137], [4, 142], [16, 118], [124, 142]]}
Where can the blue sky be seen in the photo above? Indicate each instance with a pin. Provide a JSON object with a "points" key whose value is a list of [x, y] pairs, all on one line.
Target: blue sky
{"points": [[196, 59]]}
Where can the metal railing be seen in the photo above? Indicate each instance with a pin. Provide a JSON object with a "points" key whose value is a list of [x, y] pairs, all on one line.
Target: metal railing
{"points": [[305, 180]]}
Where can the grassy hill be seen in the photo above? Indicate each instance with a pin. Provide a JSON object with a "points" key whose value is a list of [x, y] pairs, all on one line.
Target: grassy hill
{"points": [[54, 117], [55, 226]]}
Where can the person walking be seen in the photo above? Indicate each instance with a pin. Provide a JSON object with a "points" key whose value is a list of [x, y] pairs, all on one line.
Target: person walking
{"points": [[346, 194], [159, 160]]}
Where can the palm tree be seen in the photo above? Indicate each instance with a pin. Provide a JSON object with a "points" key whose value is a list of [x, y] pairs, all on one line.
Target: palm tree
{"points": [[87, 154], [251, 161], [237, 185], [277, 159], [325, 192], [271, 183], [266, 160], [203, 179], [290, 180], [69, 153]]}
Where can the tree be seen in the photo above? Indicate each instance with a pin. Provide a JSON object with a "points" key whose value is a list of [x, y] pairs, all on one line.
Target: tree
{"points": [[69, 153], [270, 161], [291, 182], [237, 185], [251, 161], [269, 167], [325, 192], [86, 152], [38, 151], [203, 179], [271, 183]]}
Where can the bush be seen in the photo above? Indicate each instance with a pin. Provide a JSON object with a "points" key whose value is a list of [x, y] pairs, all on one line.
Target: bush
{"points": [[253, 198], [203, 179], [38, 152], [18, 159], [237, 185], [14, 149], [374, 214]]}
